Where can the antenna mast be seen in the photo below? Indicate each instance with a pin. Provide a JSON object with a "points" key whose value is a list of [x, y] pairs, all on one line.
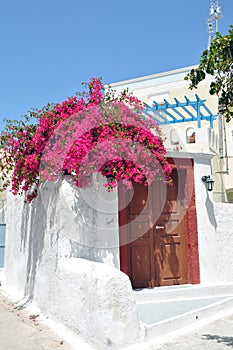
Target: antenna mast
{"points": [[215, 14]]}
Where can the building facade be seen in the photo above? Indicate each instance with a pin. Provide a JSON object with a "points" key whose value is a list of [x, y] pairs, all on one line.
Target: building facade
{"points": [[205, 136]]}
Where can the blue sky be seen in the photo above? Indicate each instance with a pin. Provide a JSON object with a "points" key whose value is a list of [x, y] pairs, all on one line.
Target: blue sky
{"points": [[49, 47]]}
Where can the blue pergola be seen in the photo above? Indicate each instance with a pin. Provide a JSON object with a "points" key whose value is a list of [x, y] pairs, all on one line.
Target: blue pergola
{"points": [[181, 112]]}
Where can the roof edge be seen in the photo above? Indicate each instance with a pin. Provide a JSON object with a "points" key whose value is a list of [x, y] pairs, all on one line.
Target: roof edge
{"points": [[152, 76]]}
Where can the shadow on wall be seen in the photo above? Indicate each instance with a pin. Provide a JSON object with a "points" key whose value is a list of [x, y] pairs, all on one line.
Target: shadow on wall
{"points": [[35, 218], [59, 223], [95, 239], [210, 211]]}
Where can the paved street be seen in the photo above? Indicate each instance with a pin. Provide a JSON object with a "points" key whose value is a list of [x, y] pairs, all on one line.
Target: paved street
{"points": [[21, 331], [215, 336]]}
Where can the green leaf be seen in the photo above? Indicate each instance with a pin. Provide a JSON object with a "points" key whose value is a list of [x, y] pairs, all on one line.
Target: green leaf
{"points": [[218, 62]]}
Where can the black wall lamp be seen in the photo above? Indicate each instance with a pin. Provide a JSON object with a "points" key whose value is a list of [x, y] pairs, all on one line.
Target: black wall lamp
{"points": [[209, 182]]}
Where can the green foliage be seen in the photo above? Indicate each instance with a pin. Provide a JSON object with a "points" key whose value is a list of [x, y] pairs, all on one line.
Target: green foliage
{"points": [[218, 62]]}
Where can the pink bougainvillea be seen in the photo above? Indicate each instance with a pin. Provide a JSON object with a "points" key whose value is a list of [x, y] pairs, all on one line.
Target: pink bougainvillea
{"points": [[95, 131]]}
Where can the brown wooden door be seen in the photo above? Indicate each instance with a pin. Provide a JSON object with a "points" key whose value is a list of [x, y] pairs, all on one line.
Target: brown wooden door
{"points": [[156, 235]]}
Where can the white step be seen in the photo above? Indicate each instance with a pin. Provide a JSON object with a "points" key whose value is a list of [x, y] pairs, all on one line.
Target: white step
{"points": [[182, 292], [181, 320], [166, 309]]}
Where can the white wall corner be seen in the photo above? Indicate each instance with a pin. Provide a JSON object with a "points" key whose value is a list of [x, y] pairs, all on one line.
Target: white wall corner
{"points": [[206, 222]]}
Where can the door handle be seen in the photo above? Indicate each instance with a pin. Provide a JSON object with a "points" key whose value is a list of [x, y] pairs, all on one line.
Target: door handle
{"points": [[157, 227]]}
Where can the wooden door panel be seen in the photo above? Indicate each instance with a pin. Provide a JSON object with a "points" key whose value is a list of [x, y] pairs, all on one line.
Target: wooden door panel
{"points": [[170, 260], [171, 254], [156, 256], [170, 227], [139, 203], [140, 266], [138, 230], [169, 269]]}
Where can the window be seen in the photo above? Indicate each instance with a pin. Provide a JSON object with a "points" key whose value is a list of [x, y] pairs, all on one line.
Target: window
{"points": [[190, 135]]}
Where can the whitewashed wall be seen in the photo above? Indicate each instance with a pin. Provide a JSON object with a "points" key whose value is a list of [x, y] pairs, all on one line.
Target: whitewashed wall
{"points": [[67, 278], [224, 239], [206, 221], [215, 230], [62, 252]]}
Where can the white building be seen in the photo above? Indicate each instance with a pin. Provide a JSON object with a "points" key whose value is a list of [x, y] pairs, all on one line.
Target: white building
{"points": [[216, 138], [66, 249]]}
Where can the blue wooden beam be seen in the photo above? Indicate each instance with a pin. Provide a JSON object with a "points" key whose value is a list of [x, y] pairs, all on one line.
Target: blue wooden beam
{"points": [[177, 108], [179, 114], [185, 108], [170, 115], [181, 121], [149, 115], [160, 115]]}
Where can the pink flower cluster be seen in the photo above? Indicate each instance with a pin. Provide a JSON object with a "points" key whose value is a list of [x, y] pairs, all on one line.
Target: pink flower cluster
{"points": [[95, 132]]}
